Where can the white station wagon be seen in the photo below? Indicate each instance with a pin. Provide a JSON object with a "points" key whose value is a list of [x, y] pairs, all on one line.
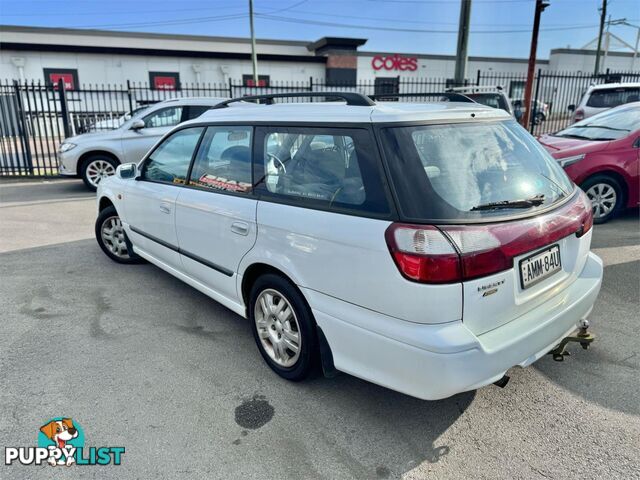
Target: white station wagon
{"points": [[427, 248]]}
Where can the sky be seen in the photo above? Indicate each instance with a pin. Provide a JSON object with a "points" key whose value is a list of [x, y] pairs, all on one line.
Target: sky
{"points": [[499, 28]]}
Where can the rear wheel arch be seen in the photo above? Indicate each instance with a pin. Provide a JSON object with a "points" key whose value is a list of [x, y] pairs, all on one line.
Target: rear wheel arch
{"points": [[253, 272]]}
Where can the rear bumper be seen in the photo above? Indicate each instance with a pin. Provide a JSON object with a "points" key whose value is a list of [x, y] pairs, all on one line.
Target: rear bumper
{"points": [[437, 361]]}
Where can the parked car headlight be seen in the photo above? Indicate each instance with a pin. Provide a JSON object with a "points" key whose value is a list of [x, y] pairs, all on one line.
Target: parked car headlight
{"points": [[65, 147], [565, 162]]}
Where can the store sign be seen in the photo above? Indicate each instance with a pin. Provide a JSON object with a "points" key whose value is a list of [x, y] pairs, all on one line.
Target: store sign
{"points": [[164, 83], [395, 62], [68, 76], [164, 80]]}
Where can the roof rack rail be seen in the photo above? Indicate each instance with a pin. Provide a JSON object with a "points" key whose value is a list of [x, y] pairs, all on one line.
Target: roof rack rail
{"points": [[352, 98], [450, 96]]}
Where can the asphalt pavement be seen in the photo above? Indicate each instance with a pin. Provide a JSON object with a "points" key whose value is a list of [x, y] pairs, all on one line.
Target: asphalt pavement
{"points": [[143, 361]]}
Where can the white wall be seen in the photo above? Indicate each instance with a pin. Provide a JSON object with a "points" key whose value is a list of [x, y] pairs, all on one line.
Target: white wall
{"points": [[117, 69], [573, 62]]}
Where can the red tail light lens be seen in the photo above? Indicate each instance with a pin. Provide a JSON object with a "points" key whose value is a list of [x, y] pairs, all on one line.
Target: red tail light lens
{"points": [[453, 253], [423, 254], [579, 115]]}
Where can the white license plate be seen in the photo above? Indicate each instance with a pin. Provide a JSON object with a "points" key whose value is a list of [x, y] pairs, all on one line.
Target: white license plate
{"points": [[539, 266]]}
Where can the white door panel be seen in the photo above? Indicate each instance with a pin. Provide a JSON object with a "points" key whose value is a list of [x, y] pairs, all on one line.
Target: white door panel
{"points": [[150, 211], [347, 257], [215, 231]]}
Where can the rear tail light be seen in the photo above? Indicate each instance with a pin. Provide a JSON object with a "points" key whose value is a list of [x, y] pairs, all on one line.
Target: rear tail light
{"points": [[454, 253], [423, 254], [579, 115]]}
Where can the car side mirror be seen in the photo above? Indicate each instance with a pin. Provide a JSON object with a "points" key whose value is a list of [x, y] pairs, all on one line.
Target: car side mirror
{"points": [[127, 171], [137, 125], [636, 144], [571, 108]]}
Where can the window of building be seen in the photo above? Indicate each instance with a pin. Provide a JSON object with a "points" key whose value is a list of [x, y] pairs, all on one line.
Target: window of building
{"points": [[68, 75], [224, 160], [169, 162], [248, 81], [164, 80]]}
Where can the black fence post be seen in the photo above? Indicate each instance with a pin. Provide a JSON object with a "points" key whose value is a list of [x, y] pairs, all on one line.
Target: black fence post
{"points": [[311, 84], [230, 88], [478, 78], [64, 108], [534, 102], [130, 95], [22, 126]]}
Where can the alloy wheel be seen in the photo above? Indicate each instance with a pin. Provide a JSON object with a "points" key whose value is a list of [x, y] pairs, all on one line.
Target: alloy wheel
{"points": [[98, 170], [603, 199], [112, 234], [278, 328]]}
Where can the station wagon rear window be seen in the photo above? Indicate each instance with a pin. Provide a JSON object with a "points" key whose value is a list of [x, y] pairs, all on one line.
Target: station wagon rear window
{"points": [[457, 171]]}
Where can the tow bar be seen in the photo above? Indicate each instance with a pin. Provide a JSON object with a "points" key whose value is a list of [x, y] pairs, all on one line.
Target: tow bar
{"points": [[583, 337]]}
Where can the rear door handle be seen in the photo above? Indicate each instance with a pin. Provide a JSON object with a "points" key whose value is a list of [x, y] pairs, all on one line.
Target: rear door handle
{"points": [[240, 228], [165, 208]]}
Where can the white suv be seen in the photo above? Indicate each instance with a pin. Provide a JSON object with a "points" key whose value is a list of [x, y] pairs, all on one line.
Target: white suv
{"points": [[95, 156], [426, 248], [599, 98]]}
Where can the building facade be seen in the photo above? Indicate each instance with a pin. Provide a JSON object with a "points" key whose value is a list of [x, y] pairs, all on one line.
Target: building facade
{"points": [[166, 61]]}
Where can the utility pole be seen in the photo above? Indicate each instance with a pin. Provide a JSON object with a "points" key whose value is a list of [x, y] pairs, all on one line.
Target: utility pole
{"points": [[463, 40], [603, 16], [540, 6], [254, 57]]}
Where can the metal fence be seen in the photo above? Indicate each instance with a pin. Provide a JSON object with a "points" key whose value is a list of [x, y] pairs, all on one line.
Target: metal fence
{"points": [[36, 117]]}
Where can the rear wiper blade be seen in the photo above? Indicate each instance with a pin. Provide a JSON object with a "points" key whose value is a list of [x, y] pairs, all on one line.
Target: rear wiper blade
{"points": [[523, 203]]}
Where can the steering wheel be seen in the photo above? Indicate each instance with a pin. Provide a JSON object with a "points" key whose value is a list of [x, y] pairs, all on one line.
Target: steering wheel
{"points": [[276, 159]]}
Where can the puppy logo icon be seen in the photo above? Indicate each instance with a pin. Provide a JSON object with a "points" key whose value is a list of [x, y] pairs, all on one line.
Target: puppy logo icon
{"points": [[62, 436], [61, 442]]}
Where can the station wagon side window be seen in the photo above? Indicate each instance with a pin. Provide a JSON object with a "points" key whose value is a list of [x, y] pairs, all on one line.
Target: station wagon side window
{"points": [[169, 162], [165, 117], [328, 168], [223, 161]]}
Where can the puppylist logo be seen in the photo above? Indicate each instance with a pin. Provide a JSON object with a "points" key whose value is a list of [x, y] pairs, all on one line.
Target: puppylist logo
{"points": [[61, 442]]}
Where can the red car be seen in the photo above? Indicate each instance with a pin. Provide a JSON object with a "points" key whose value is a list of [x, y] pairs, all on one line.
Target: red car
{"points": [[602, 155]]}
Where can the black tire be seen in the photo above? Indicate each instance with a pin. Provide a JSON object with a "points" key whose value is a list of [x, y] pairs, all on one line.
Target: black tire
{"points": [[307, 360], [611, 182], [88, 163], [106, 215]]}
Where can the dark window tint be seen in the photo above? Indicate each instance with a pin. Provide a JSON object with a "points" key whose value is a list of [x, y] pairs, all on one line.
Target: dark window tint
{"points": [[609, 98], [169, 162], [194, 111], [224, 160], [165, 117], [323, 167], [441, 172]]}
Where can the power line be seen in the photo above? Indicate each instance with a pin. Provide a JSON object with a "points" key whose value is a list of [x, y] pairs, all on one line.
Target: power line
{"points": [[407, 30]]}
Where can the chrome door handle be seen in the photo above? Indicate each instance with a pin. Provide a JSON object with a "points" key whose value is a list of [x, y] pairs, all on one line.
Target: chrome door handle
{"points": [[165, 208], [240, 228]]}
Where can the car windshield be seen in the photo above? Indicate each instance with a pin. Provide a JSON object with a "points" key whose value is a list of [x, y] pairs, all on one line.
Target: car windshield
{"points": [[471, 171], [610, 125]]}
